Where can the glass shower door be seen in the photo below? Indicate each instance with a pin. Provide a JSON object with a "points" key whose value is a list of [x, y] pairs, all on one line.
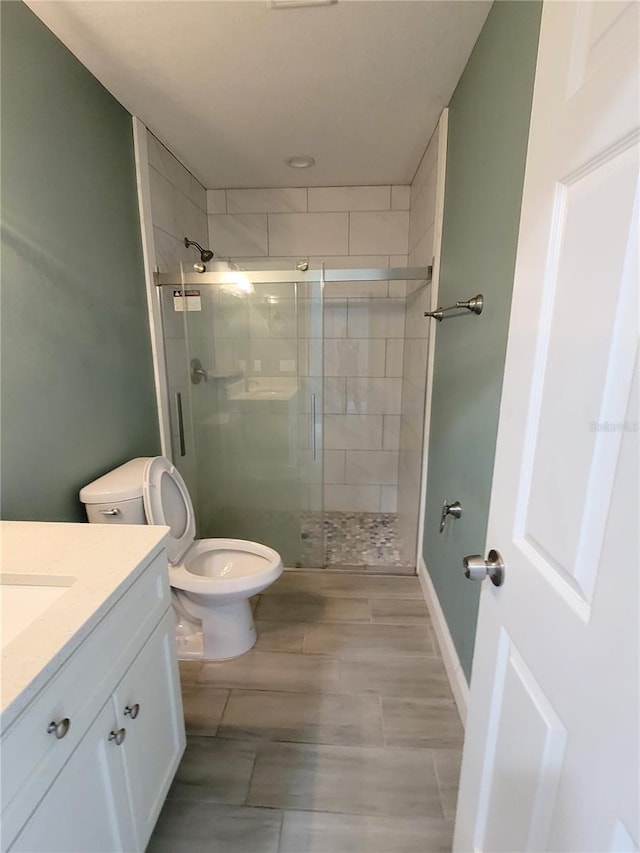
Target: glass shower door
{"points": [[250, 438]]}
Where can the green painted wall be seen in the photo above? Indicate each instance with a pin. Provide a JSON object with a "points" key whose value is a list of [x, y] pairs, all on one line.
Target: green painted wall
{"points": [[488, 129], [77, 382]]}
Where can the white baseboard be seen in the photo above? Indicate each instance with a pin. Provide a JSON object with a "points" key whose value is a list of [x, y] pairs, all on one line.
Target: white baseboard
{"points": [[450, 657]]}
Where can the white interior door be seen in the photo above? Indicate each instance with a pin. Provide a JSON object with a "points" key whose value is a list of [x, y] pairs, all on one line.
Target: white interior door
{"points": [[551, 754]]}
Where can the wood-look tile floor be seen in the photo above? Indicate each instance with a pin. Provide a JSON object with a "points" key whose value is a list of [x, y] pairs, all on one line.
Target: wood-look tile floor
{"points": [[336, 733]]}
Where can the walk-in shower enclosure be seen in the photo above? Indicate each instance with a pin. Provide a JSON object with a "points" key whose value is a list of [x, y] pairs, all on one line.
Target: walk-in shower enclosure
{"points": [[285, 391]]}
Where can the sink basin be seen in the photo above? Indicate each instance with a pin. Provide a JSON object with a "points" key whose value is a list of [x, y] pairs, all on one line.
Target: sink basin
{"points": [[268, 395], [25, 597], [261, 393]]}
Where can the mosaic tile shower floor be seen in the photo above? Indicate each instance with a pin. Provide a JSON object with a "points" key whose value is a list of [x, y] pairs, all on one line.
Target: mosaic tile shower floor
{"points": [[357, 542]]}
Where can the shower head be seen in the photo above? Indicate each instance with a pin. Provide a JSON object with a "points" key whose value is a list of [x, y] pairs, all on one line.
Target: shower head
{"points": [[205, 254]]}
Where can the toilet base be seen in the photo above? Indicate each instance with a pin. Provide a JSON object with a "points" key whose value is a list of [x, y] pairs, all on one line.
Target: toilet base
{"points": [[189, 648], [227, 632]]}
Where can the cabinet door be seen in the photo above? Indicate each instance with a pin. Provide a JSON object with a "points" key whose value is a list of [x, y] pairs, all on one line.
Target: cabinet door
{"points": [[86, 808], [149, 706]]}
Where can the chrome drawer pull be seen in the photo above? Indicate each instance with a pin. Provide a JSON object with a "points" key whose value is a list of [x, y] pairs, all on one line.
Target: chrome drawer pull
{"points": [[60, 729], [132, 710], [118, 736]]}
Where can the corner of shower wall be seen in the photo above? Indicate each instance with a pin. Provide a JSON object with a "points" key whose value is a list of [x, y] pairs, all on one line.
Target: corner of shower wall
{"points": [[172, 205], [424, 245]]}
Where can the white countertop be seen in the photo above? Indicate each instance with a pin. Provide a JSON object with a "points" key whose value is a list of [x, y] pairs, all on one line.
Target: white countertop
{"points": [[95, 563]]}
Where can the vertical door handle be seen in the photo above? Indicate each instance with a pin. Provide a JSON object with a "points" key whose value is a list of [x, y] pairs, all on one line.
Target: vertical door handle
{"points": [[183, 449], [314, 445]]}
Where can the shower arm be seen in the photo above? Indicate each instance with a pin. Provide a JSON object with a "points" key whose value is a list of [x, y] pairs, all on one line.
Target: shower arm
{"points": [[205, 254]]}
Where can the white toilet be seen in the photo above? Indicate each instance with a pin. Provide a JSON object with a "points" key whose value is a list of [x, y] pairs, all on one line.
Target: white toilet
{"points": [[212, 579]]}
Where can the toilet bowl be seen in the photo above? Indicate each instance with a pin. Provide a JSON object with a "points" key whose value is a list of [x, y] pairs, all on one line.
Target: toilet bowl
{"points": [[212, 580]]}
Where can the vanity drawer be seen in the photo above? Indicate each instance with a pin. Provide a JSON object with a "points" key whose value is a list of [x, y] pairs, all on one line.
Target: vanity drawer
{"points": [[76, 692]]}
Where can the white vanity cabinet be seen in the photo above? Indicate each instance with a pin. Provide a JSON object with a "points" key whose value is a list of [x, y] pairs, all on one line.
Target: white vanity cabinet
{"points": [[100, 786], [149, 709], [87, 806]]}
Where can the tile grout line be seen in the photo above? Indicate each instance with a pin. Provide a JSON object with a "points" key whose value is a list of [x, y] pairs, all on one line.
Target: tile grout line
{"points": [[224, 708], [438, 784], [253, 767], [281, 827], [382, 723]]}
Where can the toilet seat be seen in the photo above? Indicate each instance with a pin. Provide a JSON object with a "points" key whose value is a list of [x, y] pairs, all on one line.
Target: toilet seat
{"points": [[167, 501], [205, 566], [225, 566]]}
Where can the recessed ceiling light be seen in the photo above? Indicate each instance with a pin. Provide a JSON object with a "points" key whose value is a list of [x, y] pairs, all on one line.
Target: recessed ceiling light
{"points": [[300, 161]]}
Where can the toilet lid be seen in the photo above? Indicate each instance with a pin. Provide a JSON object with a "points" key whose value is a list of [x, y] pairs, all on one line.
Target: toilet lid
{"points": [[166, 501]]}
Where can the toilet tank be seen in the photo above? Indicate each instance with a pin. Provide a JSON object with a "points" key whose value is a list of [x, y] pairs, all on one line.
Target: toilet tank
{"points": [[116, 497]]}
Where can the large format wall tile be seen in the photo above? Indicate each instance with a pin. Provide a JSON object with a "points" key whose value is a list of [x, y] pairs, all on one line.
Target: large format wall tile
{"points": [[163, 161], [384, 233], [216, 201], [349, 198], [189, 221], [388, 499], [372, 318], [400, 198], [334, 461], [238, 236], [353, 432], [394, 360], [370, 467], [375, 396], [286, 200], [335, 318], [355, 357], [348, 498], [391, 432], [308, 233], [162, 202], [350, 262]]}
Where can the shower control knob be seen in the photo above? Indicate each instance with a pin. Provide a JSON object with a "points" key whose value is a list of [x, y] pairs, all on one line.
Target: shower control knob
{"points": [[477, 569], [453, 509]]}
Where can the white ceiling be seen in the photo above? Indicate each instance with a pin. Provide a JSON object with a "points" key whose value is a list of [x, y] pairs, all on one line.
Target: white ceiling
{"points": [[234, 87]]}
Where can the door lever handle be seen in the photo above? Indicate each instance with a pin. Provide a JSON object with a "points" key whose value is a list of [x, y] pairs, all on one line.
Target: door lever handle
{"points": [[454, 509]]}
